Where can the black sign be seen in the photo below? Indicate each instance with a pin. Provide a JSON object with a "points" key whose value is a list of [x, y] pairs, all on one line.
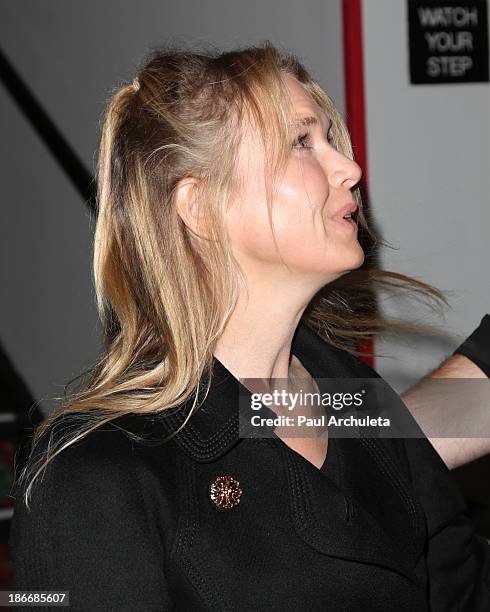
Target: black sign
{"points": [[448, 41]]}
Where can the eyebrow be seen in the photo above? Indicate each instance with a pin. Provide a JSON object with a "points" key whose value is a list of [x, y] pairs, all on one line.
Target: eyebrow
{"points": [[310, 120]]}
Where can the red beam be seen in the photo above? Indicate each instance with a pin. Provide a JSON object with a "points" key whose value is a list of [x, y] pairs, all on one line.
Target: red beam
{"points": [[355, 107]]}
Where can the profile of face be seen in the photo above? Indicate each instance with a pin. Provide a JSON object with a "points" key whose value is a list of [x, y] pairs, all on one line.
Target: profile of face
{"points": [[315, 243]]}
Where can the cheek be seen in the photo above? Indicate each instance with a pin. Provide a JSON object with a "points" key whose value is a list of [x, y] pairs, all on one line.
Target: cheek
{"points": [[248, 225], [305, 184], [301, 201], [298, 209]]}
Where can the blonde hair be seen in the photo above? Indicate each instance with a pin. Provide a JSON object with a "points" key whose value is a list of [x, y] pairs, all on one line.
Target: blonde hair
{"points": [[163, 299]]}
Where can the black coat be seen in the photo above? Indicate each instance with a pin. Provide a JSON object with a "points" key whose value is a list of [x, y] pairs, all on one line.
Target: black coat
{"points": [[130, 526]]}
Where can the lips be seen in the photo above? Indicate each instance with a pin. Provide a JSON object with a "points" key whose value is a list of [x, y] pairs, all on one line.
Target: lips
{"points": [[345, 210]]}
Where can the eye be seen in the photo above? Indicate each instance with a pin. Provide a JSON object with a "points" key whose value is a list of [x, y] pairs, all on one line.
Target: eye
{"points": [[302, 140]]}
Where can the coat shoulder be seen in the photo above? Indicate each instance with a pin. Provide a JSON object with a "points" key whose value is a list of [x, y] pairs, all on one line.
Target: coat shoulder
{"points": [[113, 454]]}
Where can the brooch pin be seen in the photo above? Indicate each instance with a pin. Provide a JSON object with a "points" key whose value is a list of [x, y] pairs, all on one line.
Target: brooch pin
{"points": [[225, 492]]}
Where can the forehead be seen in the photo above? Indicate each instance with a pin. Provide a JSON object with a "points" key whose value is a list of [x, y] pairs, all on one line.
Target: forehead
{"points": [[303, 103], [305, 112]]}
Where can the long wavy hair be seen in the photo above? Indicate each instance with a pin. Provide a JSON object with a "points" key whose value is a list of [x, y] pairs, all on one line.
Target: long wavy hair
{"points": [[164, 298]]}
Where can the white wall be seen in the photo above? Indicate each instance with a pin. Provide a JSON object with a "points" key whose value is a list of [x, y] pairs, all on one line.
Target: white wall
{"points": [[71, 54], [428, 166]]}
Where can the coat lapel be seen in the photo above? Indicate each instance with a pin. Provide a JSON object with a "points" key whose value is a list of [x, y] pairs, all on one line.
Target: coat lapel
{"points": [[381, 521], [371, 517]]}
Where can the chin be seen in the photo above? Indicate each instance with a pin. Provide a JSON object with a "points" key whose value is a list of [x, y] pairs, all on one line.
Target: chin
{"points": [[349, 264], [329, 270], [351, 258], [360, 258]]}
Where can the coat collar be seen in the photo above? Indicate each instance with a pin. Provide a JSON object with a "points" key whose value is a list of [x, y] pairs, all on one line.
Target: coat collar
{"points": [[214, 428], [349, 522]]}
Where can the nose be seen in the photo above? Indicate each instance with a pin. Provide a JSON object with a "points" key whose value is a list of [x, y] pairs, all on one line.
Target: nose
{"points": [[344, 172]]}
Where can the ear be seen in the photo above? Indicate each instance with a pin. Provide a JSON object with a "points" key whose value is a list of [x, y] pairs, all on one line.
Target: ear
{"points": [[187, 204]]}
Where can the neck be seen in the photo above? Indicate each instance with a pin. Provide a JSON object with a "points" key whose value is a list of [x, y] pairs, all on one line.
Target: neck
{"points": [[257, 339]]}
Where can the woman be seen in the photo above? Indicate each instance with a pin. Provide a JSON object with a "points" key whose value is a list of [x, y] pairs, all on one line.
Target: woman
{"points": [[222, 252]]}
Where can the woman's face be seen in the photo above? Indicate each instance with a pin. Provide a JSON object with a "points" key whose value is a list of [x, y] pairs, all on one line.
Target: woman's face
{"points": [[312, 238]]}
